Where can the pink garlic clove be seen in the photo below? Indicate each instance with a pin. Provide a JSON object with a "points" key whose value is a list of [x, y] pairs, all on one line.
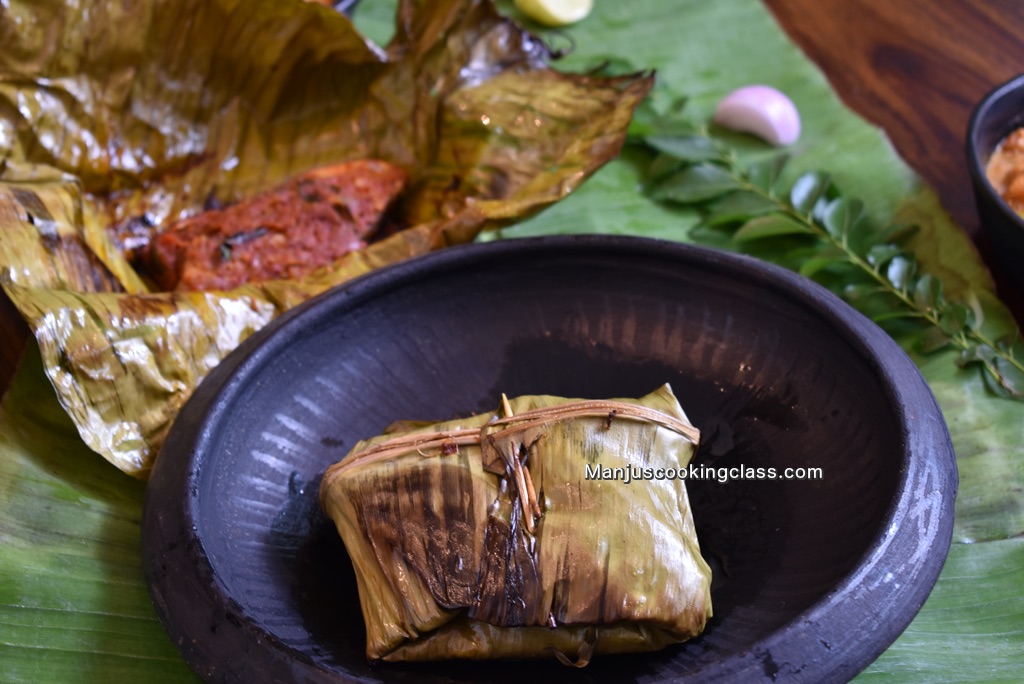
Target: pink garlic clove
{"points": [[761, 110]]}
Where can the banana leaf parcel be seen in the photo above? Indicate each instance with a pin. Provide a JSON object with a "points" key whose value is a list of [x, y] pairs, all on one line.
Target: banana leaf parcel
{"points": [[524, 534], [119, 118]]}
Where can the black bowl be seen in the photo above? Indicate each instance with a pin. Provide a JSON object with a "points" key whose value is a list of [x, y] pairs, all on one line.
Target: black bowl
{"points": [[996, 116], [813, 578]]}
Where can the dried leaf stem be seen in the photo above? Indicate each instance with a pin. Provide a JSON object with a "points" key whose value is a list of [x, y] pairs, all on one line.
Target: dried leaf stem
{"points": [[423, 442]]}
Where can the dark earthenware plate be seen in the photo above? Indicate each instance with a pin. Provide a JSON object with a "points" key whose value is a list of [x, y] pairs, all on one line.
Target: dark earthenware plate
{"points": [[813, 577]]}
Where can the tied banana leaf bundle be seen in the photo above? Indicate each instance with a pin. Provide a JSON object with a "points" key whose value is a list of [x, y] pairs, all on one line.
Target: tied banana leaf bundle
{"points": [[108, 135], [508, 536]]}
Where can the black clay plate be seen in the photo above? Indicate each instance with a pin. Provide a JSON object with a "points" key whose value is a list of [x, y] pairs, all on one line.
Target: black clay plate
{"points": [[813, 578]]}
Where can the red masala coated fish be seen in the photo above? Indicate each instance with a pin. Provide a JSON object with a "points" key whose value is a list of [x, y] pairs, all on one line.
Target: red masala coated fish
{"points": [[310, 221]]}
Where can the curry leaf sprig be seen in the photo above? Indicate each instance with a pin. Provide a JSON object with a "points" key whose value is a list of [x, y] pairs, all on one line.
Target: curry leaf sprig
{"points": [[826, 236]]}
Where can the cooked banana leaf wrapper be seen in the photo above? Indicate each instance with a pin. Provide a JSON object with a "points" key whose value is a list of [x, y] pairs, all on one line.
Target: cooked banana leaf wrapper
{"points": [[117, 119], [521, 533]]}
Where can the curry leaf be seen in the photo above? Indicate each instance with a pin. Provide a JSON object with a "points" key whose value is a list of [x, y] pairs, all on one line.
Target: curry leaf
{"points": [[928, 293], [856, 292], [767, 174], [933, 340], [841, 215], [900, 272], [693, 148], [663, 166], [954, 317], [1011, 375], [880, 255], [738, 207], [768, 226], [695, 184], [822, 259], [807, 191]]}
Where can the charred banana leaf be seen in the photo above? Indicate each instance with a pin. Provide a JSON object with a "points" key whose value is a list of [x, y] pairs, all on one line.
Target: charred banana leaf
{"points": [[108, 135], [521, 534]]}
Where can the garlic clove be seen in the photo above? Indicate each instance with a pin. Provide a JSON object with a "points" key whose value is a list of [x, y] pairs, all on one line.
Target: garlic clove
{"points": [[555, 12], [762, 111]]}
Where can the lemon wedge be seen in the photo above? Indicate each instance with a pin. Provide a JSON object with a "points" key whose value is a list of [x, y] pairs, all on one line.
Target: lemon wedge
{"points": [[555, 12]]}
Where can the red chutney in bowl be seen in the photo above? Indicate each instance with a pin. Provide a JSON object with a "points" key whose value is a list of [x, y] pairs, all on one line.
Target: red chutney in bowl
{"points": [[1005, 170]]}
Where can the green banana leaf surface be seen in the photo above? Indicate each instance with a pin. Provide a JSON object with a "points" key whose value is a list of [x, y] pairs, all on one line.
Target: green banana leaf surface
{"points": [[73, 601]]}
